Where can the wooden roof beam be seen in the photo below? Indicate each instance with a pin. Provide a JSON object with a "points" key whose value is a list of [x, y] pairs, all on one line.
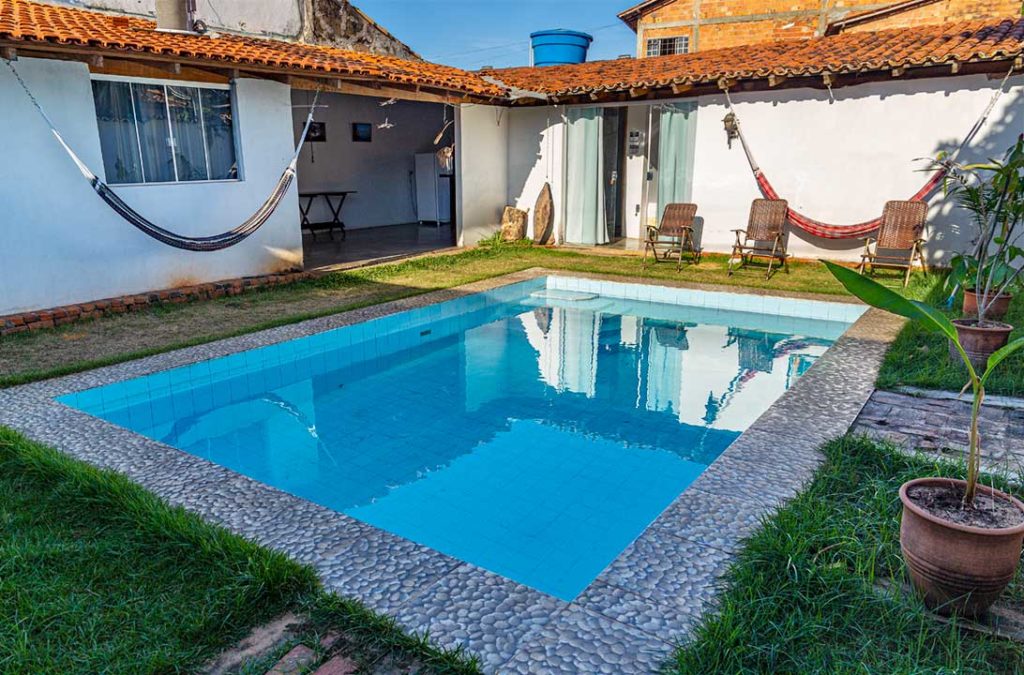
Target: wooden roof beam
{"points": [[775, 80], [9, 53]]}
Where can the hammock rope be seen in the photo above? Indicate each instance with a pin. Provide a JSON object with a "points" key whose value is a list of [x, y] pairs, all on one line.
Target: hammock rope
{"points": [[858, 230], [217, 242]]}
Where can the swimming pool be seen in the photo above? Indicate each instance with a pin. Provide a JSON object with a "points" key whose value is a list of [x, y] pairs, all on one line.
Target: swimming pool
{"points": [[533, 430]]}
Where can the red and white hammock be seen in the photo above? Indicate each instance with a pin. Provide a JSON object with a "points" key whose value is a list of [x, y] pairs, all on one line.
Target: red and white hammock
{"points": [[858, 230]]}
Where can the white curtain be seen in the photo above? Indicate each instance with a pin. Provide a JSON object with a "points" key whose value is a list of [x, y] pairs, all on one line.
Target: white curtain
{"points": [[585, 216], [678, 132], [119, 140]]}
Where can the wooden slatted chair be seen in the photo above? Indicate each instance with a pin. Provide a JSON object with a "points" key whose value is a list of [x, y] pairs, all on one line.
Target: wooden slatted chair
{"points": [[674, 235], [898, 244], [765, 236]]}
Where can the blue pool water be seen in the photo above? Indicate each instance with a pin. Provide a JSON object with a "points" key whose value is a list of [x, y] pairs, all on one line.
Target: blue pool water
{"points": [[534, 431]]}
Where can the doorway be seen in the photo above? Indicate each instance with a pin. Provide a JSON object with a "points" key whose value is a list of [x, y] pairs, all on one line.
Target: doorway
{"points": [[614, 163], [375, 181]]}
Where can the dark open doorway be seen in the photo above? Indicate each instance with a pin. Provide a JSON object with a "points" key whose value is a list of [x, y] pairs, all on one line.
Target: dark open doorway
{"points": [[613, 147]]}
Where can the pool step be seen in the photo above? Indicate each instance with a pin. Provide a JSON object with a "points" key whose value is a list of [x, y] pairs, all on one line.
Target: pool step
{"points": [[563, 296]]}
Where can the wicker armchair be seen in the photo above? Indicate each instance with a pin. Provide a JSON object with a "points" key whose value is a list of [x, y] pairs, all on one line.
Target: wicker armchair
{"points": [[673, 235], [898, 244], [765, 236]]}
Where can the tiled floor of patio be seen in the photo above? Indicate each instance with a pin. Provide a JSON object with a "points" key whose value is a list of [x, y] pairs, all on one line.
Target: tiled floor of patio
{"points": [[373, 244]]}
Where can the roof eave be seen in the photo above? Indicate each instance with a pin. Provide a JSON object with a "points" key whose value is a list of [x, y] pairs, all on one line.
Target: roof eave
{"points": [[994, 65], [233, 67]]}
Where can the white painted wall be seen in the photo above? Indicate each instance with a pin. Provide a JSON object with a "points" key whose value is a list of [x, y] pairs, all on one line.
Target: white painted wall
{"points": [[840, 162], [481, 184], [380, 171], [536, 139], [834, 161], [62, 244]]}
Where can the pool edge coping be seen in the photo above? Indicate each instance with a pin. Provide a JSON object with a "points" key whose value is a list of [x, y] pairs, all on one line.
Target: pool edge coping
{"points": [[643, 608]]}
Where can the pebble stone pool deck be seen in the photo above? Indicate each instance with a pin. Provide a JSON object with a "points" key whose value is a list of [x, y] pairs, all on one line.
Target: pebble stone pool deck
{"points": [[628, 620]]}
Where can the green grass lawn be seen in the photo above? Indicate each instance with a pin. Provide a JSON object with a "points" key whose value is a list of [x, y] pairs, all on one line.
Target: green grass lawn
{"points": [[99, 576], [39, 355], [803, 595], [921, 359]]}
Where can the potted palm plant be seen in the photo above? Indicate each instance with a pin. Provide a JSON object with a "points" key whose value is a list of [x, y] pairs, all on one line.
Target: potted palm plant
{"points": [[993, 193], [961, 541]]}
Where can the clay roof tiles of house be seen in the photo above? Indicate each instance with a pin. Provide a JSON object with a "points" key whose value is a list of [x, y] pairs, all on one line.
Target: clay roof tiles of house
{"points": [[23, 22], [861, 52]]}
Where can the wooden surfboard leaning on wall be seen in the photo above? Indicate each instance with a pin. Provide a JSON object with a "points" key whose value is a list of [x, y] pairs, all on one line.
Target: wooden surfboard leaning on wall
{"points": [[544, 218]]}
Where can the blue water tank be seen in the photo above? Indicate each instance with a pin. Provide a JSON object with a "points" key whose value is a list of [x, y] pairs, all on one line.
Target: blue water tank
{"points": [[559, 47]]}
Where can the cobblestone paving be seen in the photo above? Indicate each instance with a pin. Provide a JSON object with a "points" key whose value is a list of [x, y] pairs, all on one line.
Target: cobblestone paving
{"points": [[940, 426], [627, 621]]}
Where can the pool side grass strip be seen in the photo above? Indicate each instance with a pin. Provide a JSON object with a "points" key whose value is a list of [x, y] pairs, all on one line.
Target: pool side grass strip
{"points": [[409, 278], [805, 593], [921, 359], [99, 575]]}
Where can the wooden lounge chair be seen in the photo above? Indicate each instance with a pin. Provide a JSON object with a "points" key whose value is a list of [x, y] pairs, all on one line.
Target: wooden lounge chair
{"points": [[673, 235], [765, 236], [898, 244]]}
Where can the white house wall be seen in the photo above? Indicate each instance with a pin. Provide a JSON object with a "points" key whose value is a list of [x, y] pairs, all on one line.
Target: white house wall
{"points": [[381, 172], [834, 161], [481, 183], [840, 162], [536, 141], [63, 245]]}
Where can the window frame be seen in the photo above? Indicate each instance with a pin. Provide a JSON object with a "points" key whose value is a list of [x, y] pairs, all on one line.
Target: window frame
{"points": [[678, 40], [229, 87]]}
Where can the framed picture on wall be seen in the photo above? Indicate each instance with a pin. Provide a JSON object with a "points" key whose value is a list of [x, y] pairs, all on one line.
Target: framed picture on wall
{"points": [[317, 132], [362, 132]]}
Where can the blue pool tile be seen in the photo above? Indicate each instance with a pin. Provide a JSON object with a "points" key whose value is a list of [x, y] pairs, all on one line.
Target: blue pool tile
{"points": [[535, 438]]}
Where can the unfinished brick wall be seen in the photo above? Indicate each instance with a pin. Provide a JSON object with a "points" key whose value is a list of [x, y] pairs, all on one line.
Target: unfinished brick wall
{"points": [[712, 24], [941, 12]]}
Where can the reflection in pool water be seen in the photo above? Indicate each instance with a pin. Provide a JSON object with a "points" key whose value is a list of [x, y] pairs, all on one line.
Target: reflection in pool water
{"points": [[535, 438]]}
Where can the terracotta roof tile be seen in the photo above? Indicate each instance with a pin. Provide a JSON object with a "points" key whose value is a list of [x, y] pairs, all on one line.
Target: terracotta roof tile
{"points": [[25, 21], [990, 40]]}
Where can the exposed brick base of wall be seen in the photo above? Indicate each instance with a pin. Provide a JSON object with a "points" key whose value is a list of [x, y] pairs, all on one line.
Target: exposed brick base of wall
{"points": [[59, 316]]}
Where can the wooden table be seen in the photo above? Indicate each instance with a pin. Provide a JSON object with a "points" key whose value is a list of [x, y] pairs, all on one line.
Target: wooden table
{"points": [[335, 201]]}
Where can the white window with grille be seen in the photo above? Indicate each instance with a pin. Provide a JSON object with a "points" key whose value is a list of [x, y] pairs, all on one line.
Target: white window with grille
{"points": [[668, 46], [165, 132]]}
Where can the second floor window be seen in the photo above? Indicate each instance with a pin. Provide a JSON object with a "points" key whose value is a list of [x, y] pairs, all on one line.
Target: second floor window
{"points": [[668, 46], [165, 133]]}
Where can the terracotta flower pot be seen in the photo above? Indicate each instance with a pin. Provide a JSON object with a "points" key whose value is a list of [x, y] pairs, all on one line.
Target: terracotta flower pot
{"points": [[958, 568], [980, 342], [996, 312]]}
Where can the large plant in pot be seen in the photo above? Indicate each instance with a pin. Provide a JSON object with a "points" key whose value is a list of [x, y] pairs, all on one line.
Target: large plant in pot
{"points": [[993, 193], [961, 540]]}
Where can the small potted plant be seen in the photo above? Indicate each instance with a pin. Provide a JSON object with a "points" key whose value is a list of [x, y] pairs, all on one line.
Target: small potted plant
{"points": [[961, 540], [993, 193]]}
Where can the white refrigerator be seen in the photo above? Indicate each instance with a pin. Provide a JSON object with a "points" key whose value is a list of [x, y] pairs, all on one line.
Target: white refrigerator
{"points": [[433, 190]]}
